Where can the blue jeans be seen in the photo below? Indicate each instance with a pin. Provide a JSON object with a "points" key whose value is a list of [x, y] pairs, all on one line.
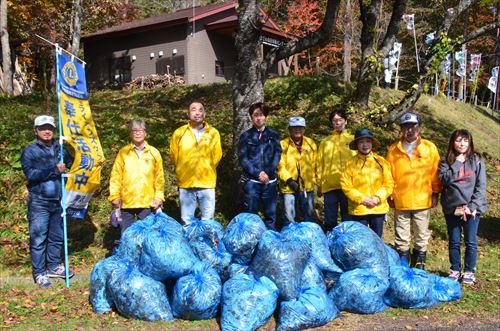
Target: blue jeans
{"points": [[455, 224], [206, 201], [130, 215], [298, 203], [332, 201], [256, 193], [46, 233], [373, 221]]}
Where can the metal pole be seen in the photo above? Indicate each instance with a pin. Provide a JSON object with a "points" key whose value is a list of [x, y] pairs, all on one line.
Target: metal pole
{"points": [[63, 190], [396, 80], [416, 49]]}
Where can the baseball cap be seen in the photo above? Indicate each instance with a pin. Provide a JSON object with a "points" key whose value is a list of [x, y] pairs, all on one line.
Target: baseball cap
{"points": [[409, 118], [45, 119], [297, 121]]}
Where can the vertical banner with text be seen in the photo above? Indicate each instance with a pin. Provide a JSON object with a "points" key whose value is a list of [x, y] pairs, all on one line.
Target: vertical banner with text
{"points": [[80, 132]]}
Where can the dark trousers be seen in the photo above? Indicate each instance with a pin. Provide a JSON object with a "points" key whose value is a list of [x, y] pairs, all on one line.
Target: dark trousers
{"points": [[373, 221], [265, 194], [333, 200], [130, 215], [46, 234], [455, 225]]}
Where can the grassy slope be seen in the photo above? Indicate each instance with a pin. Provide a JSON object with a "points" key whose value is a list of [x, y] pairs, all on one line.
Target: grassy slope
{"points": [[91, 239]]}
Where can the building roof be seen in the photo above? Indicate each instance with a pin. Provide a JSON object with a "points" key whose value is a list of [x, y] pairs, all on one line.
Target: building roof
{"points": [[182, 16]]}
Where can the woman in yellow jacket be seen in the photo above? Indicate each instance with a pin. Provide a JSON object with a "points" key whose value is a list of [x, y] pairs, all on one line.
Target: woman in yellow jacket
{"points": [[137, 182], [367, 182]]}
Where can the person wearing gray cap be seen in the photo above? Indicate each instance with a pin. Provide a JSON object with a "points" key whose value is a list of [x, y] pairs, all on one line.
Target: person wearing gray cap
{"points": [[43, 169], [414, 165], [297, 172]]}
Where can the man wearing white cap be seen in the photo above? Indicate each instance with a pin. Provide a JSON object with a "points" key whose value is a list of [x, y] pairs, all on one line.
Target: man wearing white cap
{"points": [[414, 165], [297, 172], [43, 168]]}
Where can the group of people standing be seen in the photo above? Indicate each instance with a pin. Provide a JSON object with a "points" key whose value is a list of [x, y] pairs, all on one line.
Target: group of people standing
{"points": [[344, 170]]}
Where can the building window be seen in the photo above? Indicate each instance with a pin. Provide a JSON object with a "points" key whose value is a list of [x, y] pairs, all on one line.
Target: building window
{"points": [[219, 68], [172, 66], [121, 69]]}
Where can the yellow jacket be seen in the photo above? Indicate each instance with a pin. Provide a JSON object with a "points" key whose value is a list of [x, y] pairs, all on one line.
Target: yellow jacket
{"points": [[367, 176], [333, 154], [137, 181], [291, 161], [195, 162], [414, 180]]}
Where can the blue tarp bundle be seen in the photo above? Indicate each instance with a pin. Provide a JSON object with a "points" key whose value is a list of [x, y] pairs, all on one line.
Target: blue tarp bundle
{"points": [[166, 255], [409, 288], [312, 309], [312, 232], [100, 295], [212, 251], [236, 268], [132, 239], [392, 256], [445, 289], [163, 220], [242, 235], [283, 261], [197, 295], [312, 277], [247, 302], [138, 296], [353, 245], [208, 228], [360, 291]]}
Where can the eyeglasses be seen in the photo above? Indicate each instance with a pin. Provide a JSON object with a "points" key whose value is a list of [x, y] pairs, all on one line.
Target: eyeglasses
{"points": [[409, 126], [137, 130]]}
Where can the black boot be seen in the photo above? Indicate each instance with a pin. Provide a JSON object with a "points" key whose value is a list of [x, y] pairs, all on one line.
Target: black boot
{"points": [[404, 256], [419, 259]]}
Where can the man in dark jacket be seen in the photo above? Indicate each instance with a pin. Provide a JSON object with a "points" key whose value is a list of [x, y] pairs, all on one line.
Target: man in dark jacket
{"points": [[259, 154], [42, 167]]}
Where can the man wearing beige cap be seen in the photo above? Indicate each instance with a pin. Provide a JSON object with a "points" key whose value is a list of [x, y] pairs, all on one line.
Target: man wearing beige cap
{"points": [[297, 172], [41, 162]]}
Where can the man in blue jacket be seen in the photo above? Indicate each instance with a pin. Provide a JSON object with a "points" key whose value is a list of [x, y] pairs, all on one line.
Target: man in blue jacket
{"points": [[259, 153], [42, 167]]}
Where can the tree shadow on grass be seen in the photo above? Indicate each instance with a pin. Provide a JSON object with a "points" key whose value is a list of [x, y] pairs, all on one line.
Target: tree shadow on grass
{"points": [[489, 229]]}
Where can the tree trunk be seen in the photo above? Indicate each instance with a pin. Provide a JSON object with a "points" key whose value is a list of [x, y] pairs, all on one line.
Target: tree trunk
{"points": [[348, 35], [7, 61], [77, 22]]}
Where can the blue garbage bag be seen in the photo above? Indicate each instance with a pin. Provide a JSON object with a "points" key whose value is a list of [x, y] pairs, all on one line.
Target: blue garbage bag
{"points": [[360, 291], [445, 289], [197, 295], [132, 239], [313, 233], [138, 296], [312, 277], [331, 278], [100, 295], [283, 261], [166, 255], [163, 220], [210, 249], [209, 228], [312, 309], [392, 256], [242, 235], [409, 288], [247, 302], [236, 268], [354, 246]]}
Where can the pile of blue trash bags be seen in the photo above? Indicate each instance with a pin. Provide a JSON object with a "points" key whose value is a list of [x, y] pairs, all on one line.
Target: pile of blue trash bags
{"points": [[245, 273]]}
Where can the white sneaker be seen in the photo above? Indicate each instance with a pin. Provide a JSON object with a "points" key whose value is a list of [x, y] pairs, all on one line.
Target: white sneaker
{"points": [[468, 278], [454, 275]]}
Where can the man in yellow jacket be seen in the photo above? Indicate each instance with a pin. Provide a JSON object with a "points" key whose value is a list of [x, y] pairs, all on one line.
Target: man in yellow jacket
{"points": [[297, 172], [136, 185], [414, 163], [333, 154], [367, 182], [195, 151]]}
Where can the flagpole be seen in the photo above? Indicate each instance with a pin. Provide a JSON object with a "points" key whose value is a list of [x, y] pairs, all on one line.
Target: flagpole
{"points": [[465, 76], [416, 49], [63, 193]]}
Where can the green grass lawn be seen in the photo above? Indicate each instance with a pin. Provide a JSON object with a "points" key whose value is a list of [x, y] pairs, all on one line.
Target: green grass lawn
{"points": [[25, 307]]}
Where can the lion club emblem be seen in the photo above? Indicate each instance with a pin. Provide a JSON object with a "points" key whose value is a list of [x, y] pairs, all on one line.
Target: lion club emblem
{"points": [[70, 74]]}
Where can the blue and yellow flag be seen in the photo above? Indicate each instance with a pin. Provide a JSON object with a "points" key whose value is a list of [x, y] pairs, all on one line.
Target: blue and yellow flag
{"points": [[79, 130]]}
